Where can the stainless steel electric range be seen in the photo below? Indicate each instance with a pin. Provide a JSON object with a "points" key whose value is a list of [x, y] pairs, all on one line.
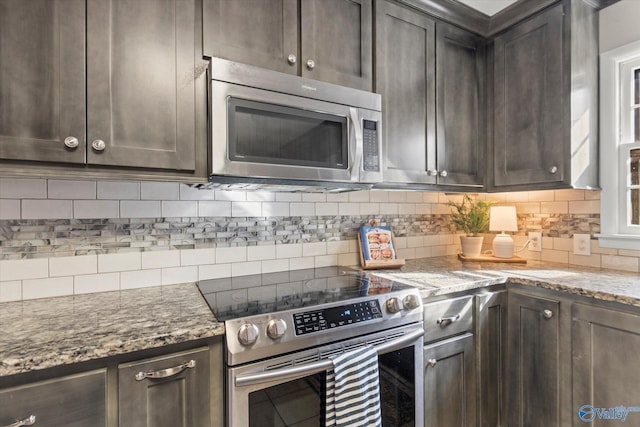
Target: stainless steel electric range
{"points": [[281, 329]]}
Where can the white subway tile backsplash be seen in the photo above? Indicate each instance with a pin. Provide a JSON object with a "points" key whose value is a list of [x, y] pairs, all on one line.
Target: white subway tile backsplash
{"points": [[118, 190], [176, 275], [217, 208], [288, 197], [140, 209], [302, 209], [406, 209], [191, 193], [275, 265], [337, 247], [176, 209], [423, 252], [314, 248], [349, 260], [261, 196], [46, 288], [359, 196], [430, 197], [569, 195], [379, 196], [73, 265], [397, 196], [542, 196], [414, 197], [554, 207], [88, 209], [23, 188], [349, 209], [108, 263], [47, 209], [246, 268], [338, 197], [10, 291], [231, 196], [415, 241], [326, 209], [262, 252], [584, 207], [301, 263], [244, 209], [9, 209], [325, 261], [620, 263], [551, 255], [140, 279], [159, 191], [585, 260], [388, 208], [214, 271], [24, 269], [275, 209], [197, 256], [227, 255], [160, 259], [293, 250], [314, 197], [91, 283], [528, 208], [68, 189], [423, 208]]}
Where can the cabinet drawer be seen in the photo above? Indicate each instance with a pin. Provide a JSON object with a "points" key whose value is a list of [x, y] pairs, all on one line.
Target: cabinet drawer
{"points": [[73, 401], [447, 317]]}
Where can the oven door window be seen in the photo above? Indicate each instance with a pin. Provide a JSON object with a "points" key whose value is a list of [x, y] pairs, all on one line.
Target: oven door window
{"points": [[300, 402], [265, 133]]}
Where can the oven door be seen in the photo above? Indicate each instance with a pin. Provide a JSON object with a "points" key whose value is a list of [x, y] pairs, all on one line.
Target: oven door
{"points": [[289, 390], [263, 134]]}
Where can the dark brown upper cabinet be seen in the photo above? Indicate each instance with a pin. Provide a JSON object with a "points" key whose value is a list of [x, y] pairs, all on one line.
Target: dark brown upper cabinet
{"points": [[328, 40]]}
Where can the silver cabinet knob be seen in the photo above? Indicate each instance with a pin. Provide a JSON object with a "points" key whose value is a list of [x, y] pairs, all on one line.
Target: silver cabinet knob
{"points": [[291, 59], [71, 142], [276, 328], [411, 302], [248, 334], [432, 362], [29, 421], [311, 64], [553, 169], [98, 145], [548, 314], [393, 305], [432, 172], [444, 174]]}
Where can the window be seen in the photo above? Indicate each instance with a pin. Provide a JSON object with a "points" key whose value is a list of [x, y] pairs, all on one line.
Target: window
{"points": [[620, 147]]}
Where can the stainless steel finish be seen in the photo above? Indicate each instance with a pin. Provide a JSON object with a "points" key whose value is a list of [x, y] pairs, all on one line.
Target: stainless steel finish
{"points": [[276, 328], [432, 172], [98, 145], [248, 334], [321, 365], [444, 174], [29, 421], [432, 362], [357, 156], [445, 321], [411, 302], [291, 59], [393, 305], [311, 64], [553, 169], [547, 314], [166, 373], [71, 142]]}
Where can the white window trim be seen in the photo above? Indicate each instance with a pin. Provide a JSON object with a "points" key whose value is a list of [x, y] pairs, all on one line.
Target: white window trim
{"points": [[614, 230]]}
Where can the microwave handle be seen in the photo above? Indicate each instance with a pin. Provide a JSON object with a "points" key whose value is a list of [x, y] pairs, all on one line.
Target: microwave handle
{"points": [[321, 365], [354, 172]]}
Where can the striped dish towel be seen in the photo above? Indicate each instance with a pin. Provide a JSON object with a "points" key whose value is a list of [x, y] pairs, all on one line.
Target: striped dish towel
{"points": [[352, 390]]}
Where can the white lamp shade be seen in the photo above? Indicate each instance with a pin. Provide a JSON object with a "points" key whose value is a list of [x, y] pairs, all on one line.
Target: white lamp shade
{"points": [[503, 218]]}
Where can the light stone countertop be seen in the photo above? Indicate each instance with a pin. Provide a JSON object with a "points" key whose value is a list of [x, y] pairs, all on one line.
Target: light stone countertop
{"points": [[43, 333]]}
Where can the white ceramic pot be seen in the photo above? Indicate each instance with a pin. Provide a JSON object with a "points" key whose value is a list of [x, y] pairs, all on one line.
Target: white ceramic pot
{"points": [[471, 246]]}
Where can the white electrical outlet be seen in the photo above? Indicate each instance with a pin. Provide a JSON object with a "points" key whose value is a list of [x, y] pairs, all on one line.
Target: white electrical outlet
{"points": [[582, 244], [535, 241]]}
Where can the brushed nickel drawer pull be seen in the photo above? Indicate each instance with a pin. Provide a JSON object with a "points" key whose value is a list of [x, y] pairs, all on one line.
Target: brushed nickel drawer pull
{"points": [[165, 373], [29, 421], [446, 321], [432, 362]]}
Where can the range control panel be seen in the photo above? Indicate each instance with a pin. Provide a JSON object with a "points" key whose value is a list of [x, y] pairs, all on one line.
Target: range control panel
{"points": [[335, 317]]}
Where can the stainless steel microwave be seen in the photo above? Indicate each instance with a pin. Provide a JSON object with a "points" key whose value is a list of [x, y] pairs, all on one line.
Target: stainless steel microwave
{"points": [[272, 129]]}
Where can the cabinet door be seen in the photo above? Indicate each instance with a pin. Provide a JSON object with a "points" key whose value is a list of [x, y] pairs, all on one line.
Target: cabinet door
{"points": [[336, 42], [491, 324], [449, 383], [42, 80], [605, 347], [178, 397], [405, 76], [73, 401], [533, 361], [255, 32], [142, 83], [529, 102], [460, 59]]}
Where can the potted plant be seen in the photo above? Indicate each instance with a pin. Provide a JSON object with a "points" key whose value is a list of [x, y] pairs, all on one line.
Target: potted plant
{"points": [[471, 217]]}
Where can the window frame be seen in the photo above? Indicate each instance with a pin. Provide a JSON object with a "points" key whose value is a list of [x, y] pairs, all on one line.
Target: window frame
{"points": [[616, 141]]}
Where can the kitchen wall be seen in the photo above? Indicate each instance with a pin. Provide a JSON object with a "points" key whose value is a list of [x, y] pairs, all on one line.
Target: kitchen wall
{"points": [[62, 237]]}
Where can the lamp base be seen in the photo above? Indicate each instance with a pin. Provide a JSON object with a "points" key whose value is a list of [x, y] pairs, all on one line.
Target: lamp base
{"points": [[503, 246]]}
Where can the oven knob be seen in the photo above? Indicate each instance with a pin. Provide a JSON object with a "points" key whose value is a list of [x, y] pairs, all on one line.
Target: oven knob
{"points": [[248, 334], [411, 302], [276, 328], [394, 305]]}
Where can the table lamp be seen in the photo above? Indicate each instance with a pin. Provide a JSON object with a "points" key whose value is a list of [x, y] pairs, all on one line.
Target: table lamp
{"points": [[503, 218]]}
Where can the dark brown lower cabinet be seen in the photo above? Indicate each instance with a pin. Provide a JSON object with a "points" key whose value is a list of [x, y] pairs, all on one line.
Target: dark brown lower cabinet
{"points": [[449, 383], [72, 401], [167, 391]]}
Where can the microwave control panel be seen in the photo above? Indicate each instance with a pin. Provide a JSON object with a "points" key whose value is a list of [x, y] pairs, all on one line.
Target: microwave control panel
{"points": [[371, 154], [335, 317]]}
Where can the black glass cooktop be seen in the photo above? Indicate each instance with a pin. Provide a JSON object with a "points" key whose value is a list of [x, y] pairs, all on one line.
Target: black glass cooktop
{"points": [[236, 297]]}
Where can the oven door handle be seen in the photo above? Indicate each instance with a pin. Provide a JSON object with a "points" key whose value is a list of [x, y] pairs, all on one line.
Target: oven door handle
{"points": [[321, 365]]}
